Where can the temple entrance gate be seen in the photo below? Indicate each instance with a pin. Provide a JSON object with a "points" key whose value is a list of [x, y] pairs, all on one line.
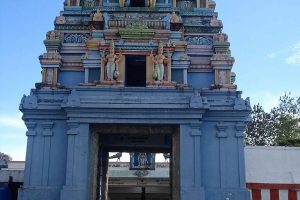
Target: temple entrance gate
{"points": [[113, 70], [131, 138]]}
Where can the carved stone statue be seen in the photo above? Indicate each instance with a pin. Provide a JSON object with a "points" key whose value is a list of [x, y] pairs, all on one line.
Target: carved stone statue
{"points": [[175, 18], [152, 3], [60, 20], [214, 21], [220, 37], [159, 61], [98, 16], [111, 67]]}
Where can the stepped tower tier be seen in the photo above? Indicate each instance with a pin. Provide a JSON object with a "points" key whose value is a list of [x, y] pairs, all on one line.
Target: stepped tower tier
{"points": [[135, 76]]}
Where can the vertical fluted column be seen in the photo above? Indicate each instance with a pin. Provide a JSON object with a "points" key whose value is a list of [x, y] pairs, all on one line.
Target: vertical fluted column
{"points": [[47, 133], [190, 162], [222, 135], [196, 134], [31, 133], [77, 170], [240, 128]]}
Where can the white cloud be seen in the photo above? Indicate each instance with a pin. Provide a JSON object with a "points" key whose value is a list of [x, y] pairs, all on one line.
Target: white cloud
{"points": [[271, 55], [294, 59], [13, 121], [266, 99]]}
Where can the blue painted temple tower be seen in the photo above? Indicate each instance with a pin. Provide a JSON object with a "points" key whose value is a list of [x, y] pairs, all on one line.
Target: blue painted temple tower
{"points": [[135, 76]]}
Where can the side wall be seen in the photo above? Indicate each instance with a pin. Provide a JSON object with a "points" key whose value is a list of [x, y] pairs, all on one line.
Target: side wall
{"points": [[45, 166]]}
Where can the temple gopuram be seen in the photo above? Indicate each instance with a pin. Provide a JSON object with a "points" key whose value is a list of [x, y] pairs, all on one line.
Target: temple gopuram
{"points": [[136, 76]]}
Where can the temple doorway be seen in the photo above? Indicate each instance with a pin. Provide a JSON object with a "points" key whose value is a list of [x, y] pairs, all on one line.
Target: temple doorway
{"points": [[137, 181], [135, 71], [137, 3]]}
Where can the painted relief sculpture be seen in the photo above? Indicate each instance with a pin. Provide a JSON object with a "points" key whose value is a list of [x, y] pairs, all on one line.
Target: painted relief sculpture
{"points": [[111, 64], [98, 16], [175, 18], [152, 3], [160, 62]]}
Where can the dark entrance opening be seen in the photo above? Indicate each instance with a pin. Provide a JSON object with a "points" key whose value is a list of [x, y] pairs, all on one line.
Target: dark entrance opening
{"points": [[141, 139], [135, 75], [137, 3]]}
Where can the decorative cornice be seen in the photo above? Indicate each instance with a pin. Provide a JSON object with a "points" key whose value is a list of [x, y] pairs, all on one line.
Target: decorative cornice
{"points": [[28, 102]]}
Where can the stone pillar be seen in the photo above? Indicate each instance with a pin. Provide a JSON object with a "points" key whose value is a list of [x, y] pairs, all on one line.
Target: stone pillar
{"points": [[196, 134], [240, 128], [41, 180], [47, 133], [31, 133], [229, 178], [77, 175], [174, 4], [222, 135], [190, 162], [198, 3]]}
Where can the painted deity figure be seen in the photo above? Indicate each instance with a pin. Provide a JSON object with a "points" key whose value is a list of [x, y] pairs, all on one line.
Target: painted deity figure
{"points": [[142, 160], [175, 18], [112, 60], [98, 16], [214, 21], [159, 61], [152, 3]]}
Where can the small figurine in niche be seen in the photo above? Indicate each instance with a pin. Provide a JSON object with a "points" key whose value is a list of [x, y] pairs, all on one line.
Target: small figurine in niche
{"points": [[111, 67], [159, 61], [214, 21], [152, 3], [142, 158], [98, 16], [175, 18]]}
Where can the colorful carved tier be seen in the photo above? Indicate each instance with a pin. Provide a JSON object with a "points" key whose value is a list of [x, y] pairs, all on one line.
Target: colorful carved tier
{"points": [[136, 30]]}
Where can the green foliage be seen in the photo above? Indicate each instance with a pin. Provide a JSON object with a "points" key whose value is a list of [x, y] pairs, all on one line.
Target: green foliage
{"points": [[5, 157], [4, 160], [288, 130], [280, 126], [260, 130]]}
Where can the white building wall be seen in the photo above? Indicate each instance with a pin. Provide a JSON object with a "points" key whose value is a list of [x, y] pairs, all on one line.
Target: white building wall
{"points": [[272, 164]]}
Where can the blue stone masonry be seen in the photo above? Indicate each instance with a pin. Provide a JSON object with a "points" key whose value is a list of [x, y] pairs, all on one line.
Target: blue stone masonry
{"points": [[178, 83]]}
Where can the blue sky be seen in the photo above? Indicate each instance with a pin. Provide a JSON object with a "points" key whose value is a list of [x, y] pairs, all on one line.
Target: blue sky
{"points": [[264, 36]]}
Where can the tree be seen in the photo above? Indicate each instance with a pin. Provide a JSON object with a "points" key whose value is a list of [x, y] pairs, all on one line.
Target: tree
{"points": [[280, 126], [260, 131], [287, 127], [4, 159]]}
